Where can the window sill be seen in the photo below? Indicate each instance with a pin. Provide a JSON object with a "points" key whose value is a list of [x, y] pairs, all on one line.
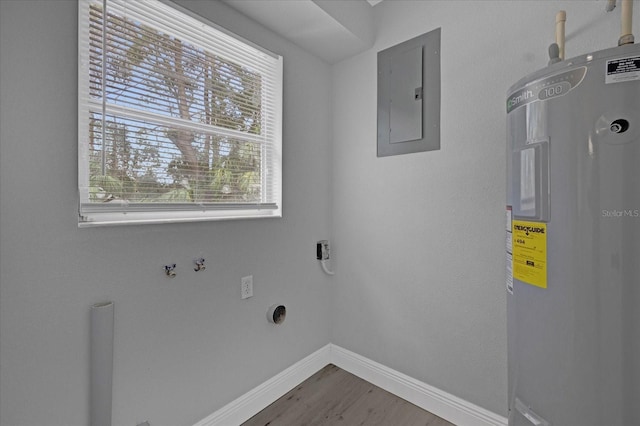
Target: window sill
{"points": [[148, 218]]}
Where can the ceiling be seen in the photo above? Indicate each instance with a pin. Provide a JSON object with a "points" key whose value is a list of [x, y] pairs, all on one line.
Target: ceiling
{"points": [[329, 29]]}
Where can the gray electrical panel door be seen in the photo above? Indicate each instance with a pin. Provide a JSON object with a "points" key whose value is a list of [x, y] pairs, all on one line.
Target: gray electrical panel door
{"points": [[405, 97], [409, 96]]}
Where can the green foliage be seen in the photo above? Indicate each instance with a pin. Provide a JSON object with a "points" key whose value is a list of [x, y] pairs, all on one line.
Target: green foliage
{"points": [[159, 72], [249, 185], [176, 195], [104, 188]]}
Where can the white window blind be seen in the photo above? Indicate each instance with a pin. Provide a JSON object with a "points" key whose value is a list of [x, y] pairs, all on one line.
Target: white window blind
{"points": [[178, 120]]}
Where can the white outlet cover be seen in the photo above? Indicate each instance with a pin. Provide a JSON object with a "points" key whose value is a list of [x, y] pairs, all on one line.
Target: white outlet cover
{"points": [[246, 288]]}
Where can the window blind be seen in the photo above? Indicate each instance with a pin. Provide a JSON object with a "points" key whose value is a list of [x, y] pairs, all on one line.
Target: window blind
{"points": [[178, 120]]}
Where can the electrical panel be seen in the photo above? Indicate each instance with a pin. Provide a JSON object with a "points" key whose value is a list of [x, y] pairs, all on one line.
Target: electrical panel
{"points": [[409, 96]]}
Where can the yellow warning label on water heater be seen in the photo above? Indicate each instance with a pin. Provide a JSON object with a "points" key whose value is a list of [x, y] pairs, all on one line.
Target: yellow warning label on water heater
{"points": [[530, 252]]}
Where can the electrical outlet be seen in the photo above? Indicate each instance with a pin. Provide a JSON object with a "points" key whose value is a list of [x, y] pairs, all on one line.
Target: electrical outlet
{"points": [[323, 250], [246, 288]]}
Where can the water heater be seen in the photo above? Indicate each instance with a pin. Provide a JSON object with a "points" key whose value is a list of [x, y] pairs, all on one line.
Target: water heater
{"points": [[573, 242]]}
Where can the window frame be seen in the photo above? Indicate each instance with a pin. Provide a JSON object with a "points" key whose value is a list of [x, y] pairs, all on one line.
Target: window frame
{"points": [[125, 213]]}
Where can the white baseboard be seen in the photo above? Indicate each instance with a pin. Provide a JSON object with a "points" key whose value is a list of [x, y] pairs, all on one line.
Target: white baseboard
{"points": [[257, 399], [436, 401], [451, 408]]}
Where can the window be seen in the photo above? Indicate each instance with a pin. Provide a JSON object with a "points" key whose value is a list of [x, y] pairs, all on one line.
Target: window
{"points": [[178, 120]]}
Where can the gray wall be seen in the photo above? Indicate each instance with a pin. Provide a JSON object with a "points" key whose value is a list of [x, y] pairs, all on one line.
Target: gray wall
{"points": [[186, 346], [419, 238]]}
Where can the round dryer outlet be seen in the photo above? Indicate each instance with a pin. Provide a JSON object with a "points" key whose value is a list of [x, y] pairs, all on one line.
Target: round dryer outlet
{"points": [[277, 314]]}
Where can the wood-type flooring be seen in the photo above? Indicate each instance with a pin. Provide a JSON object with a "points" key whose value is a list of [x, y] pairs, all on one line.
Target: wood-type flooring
{"points": [[333, 396]]}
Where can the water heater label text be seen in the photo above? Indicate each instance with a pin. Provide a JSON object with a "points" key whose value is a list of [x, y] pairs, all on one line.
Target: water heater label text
{"points": [[546, 88], [530, 252], [518, 99], [529, 229]]}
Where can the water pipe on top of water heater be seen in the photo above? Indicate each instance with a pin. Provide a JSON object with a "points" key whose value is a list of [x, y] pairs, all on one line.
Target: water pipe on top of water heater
{"points": [[561, 18], [556, 50], [626, 33]]}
